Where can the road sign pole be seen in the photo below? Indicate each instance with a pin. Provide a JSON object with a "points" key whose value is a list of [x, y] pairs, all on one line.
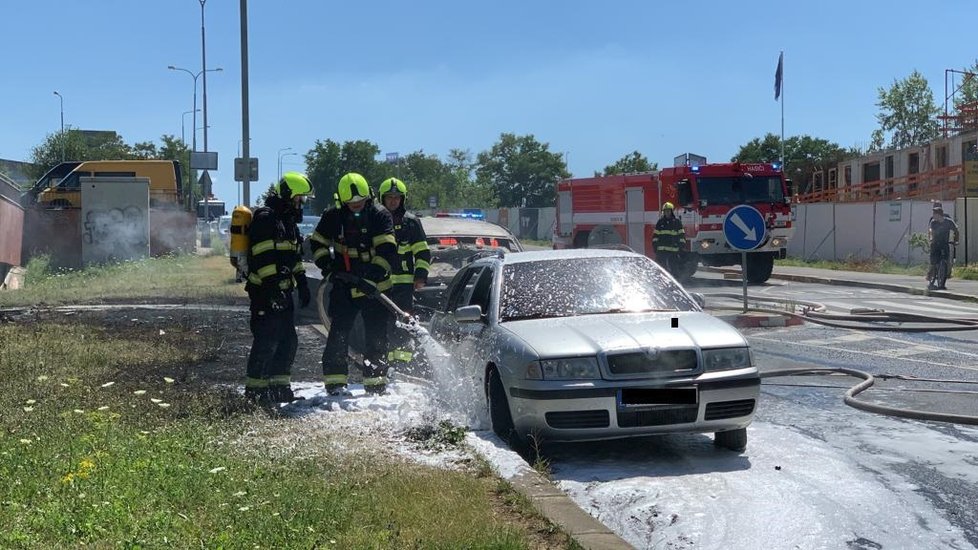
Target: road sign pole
{"points": [[743, 275]]}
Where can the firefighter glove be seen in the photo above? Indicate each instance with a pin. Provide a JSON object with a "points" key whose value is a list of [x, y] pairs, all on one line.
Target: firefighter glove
{"points": [[279, 301], [372, 272], [366, 286]]}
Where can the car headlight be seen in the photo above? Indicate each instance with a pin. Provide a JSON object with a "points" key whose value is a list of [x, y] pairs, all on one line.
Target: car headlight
{"points": [[726, 359], [573, 368]]}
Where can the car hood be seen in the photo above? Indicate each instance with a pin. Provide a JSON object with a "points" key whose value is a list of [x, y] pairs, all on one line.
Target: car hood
{"points": [[590, 334]]}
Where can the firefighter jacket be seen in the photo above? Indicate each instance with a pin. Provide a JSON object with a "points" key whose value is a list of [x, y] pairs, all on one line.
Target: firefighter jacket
{"points": [[274, 253], [669, 235], [413, 255], [359, 243]]}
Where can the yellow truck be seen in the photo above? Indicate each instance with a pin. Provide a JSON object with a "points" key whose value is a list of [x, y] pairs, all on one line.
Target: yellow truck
{"points": [[60, 186]]}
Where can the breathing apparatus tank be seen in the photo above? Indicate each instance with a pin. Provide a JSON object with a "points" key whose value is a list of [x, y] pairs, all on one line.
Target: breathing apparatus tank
{"points": [[240, 219]]}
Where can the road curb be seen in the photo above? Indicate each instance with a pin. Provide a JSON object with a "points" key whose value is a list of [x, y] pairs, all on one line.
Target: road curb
{"points": [[862, 284]]}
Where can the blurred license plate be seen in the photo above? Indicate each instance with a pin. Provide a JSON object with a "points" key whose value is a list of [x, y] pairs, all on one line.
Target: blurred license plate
{"points": [[645, 397]]}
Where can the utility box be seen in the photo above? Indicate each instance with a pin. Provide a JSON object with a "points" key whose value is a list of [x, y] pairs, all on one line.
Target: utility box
{"points": [[114, 219]]}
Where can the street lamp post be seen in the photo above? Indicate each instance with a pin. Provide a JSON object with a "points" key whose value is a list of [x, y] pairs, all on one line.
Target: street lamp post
{"points": [[183, 123], [280, 162], [195, 76], [280, 151], [193, 147], [62, 100]]}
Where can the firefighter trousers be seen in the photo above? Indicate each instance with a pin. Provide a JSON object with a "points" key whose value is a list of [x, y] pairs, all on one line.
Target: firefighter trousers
{"points": [[343, 310], [669, 260], [402, 345], [273, 347]]}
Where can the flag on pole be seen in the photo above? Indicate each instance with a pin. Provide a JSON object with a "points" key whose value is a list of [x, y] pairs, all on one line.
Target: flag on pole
{"points": [[777, 77]]}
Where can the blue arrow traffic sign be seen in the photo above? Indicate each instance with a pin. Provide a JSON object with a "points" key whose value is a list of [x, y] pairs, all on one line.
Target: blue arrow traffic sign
{"points": [[744, 227]]}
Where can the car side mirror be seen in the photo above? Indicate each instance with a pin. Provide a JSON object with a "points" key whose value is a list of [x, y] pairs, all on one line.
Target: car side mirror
{"points": [[469, 314], [699, 299]]}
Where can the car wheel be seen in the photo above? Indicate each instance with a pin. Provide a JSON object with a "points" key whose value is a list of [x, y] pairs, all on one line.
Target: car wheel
{"points": [[735, 440], [499, 414]]}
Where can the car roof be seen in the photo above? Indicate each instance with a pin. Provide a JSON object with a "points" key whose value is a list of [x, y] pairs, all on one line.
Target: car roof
{"points": [[564, 254], [463, 226]]}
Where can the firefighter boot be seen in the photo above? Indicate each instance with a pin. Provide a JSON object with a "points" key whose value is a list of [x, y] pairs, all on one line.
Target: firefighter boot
{"points": [[375, 376], [259, 396], [283, 394]]}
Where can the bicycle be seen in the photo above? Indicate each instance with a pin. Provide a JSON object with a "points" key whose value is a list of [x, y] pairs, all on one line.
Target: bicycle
{"points": [[942, 269]]}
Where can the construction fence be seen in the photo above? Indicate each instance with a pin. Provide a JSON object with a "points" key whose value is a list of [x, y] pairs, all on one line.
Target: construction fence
{"points": [[867, 230]]}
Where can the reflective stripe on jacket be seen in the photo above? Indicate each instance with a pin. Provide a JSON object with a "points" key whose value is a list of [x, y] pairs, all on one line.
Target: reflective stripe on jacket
{"points": [[361, 244], [413, 255], [275, 253], [669, 235]]}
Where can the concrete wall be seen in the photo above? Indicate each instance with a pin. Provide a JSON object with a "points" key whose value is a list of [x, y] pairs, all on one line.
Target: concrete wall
{"points": [[11, 232]]}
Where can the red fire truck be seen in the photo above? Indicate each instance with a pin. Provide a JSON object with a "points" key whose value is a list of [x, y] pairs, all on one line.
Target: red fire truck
{"points": [[623, 210]]}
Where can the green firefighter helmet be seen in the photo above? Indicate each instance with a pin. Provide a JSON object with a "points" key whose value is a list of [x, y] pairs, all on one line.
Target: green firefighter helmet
{"points": [[293, 184], [668, 206], [392, 186], [353, 188]]}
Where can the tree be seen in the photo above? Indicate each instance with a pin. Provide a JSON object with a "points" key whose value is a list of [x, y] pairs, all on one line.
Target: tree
{"points": [[327, 161], [803, 156], [633, 162], [521, 171], [907, 112]]}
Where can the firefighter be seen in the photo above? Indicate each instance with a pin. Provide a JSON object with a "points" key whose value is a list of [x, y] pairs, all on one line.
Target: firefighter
{"points": [[354, 246], [275, 270], [669, 240], [410, 271]]}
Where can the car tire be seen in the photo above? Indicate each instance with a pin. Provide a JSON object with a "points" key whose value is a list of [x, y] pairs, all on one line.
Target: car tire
{"points": [[500, 416], [735, 440]]}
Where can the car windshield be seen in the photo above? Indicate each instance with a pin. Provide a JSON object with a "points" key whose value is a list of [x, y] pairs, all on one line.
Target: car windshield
{"points": [[587, 286], [740, 189]]}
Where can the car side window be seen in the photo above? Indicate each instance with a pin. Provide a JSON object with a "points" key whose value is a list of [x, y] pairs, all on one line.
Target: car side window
{"points": [[462, 288], [482, 290]]}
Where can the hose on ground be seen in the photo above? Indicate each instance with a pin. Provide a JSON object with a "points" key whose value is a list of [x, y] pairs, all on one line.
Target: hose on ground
{"points": [[814, 312], [864, 320], [868, 381]]}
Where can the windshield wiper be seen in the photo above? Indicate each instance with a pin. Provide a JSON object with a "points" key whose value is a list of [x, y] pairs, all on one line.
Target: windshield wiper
{"points": [[624, 310], [531, 316]]}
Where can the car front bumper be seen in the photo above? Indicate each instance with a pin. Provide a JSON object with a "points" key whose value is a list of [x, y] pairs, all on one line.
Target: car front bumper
{"points": [[607, 411]]}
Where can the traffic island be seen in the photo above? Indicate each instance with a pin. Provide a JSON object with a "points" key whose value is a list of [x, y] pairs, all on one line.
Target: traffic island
{"points": [[753, 319]]}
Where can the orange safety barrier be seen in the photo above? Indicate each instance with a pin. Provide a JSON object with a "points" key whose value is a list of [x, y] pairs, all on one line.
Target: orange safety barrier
{"points": [[942, 183]]}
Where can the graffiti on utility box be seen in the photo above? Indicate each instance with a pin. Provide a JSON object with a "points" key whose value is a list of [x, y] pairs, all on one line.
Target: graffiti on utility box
{"points": [[115, 219]]}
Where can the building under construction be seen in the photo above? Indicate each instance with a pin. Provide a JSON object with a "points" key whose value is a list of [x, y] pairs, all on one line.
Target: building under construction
{"points": [[943, 169]]}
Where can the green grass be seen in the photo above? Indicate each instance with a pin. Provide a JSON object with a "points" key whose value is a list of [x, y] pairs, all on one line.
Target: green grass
{"points": [[109, 437], [879, 265], [104, 444], [181, 278], [537, 242]]}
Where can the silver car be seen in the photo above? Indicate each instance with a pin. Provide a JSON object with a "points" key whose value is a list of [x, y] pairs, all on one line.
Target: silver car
{"points": [[591, 344]]}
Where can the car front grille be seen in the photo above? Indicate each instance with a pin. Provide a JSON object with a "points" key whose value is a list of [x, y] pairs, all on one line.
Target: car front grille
{"points": [[729, 409], [657, 417], [569, 420], [663, 362]]}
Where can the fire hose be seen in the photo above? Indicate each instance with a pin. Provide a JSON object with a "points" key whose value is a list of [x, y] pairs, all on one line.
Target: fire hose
{"points": [[814, 312]]}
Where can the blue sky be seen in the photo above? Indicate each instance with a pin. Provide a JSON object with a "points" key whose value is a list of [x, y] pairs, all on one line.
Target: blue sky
{"points": [[595, 80]]}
